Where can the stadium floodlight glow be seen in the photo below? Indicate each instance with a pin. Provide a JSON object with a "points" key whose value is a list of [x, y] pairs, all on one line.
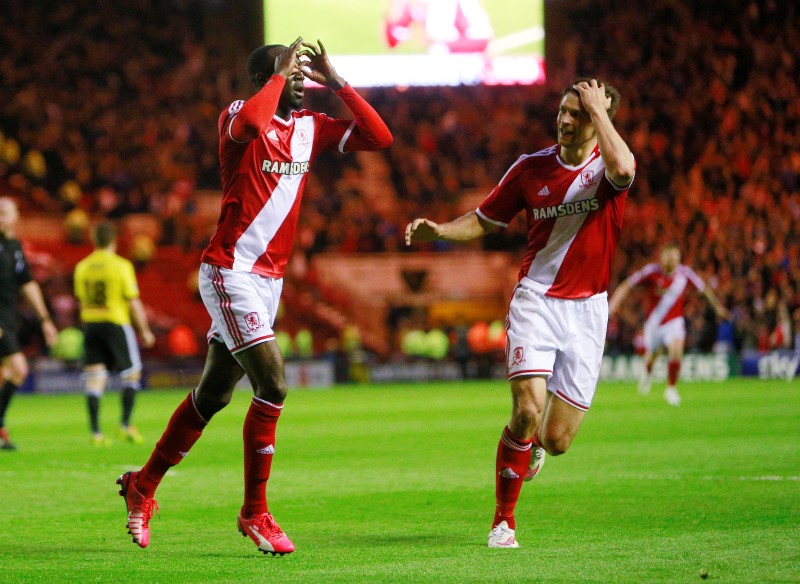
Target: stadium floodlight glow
{"points": [[379, 43]]}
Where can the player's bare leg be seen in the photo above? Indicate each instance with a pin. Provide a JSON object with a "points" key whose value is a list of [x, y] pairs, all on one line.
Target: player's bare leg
{"points": [[220, 375], [263, 364], [529, 396], [560, 424], [675, 356]]}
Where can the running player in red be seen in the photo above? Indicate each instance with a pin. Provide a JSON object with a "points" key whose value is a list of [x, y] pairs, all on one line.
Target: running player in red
{"points": [[573, 194], [666, 283], [267, 146]]}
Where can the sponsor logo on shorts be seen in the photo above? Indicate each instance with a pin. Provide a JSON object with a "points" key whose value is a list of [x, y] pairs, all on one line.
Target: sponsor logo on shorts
{"points": [[252, 321], [518, 357]]}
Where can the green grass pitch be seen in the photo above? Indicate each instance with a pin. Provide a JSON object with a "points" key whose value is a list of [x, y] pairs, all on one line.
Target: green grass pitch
{"points": [[355, 27], [395, 484]]}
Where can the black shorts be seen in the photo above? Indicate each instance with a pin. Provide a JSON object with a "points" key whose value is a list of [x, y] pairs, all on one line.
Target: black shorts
{"points": [[113, 345], [9, 342]]}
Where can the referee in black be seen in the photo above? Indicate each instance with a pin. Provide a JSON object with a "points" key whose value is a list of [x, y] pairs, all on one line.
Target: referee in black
{"points": [[15, 278]]}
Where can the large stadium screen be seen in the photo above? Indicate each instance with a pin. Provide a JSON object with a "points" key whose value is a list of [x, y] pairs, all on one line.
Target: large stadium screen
{"points": [[419, 42]]}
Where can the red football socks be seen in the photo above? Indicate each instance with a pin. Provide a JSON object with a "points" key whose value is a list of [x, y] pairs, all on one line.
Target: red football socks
{"points": [[513, 458], [673, 371], [259, 446], [184, 428]]}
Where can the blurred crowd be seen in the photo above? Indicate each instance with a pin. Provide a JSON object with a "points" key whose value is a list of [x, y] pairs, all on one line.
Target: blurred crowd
{"points": [[111, 108]]}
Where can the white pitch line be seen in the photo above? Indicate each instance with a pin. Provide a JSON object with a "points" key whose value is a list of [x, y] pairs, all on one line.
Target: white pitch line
{"points": [[676, 477]]}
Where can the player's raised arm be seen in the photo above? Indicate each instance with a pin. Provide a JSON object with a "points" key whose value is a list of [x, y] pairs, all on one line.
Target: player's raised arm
{"points": [[257, 112], [620, 165], [317, 66], [370, 131], [466, 227]]}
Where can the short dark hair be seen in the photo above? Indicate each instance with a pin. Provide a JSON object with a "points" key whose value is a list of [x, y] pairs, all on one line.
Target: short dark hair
{"points": [[261, 64], [105, 233], [611, 91]]}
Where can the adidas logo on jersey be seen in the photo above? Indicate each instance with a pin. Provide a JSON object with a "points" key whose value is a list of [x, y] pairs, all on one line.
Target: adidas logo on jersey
{"points": [[544, 191], [284, 167], [272, 135]]}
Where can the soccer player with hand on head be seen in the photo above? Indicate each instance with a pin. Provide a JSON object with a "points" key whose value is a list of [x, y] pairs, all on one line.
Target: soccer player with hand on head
{"points": [[666, 282], [573, 194], [267, 146]]}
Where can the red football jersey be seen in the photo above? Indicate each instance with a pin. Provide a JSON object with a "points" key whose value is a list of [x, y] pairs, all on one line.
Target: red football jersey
{"points": [[262, 185], [574, 216], [665, 292]]}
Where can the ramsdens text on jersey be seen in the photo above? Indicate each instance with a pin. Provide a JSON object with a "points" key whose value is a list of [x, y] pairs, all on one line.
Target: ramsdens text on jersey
{"points": [[565, 209], [284, 167]]}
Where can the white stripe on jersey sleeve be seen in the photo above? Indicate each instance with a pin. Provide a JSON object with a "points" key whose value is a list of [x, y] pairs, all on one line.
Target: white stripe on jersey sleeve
{"points": [[230, 126], [347, 133], [698, 282], [492, 221], [641, 274]]}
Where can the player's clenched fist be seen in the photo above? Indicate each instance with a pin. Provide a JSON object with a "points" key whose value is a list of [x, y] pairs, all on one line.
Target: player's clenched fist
{"points": [[421, 230]]}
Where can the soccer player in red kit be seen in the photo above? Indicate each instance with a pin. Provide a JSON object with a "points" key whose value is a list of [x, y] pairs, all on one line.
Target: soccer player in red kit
{"points": [[573, 194], [666, 283], [267, 145]]}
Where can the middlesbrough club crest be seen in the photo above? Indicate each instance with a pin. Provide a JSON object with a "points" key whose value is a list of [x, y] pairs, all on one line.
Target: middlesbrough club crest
{"points": [[302, 138], [587, 178], [518, 357], [252, 322]]}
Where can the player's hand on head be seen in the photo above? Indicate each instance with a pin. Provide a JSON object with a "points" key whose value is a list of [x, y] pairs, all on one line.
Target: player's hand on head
{"points": [[593, 96], [289, 61], [317, 66], [421, 230]]}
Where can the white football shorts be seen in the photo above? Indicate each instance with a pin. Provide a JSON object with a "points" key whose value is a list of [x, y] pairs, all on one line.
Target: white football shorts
{"points": [[557, 338], [242, 306], [658, 335]]}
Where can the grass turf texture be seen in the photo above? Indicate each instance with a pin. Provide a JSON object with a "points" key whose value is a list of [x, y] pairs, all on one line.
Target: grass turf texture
{"points": [[395, 483]]}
